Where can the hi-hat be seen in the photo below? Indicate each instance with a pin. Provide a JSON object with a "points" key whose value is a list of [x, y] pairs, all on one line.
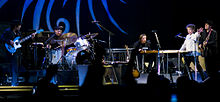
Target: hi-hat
{"points": [[90, 35]]}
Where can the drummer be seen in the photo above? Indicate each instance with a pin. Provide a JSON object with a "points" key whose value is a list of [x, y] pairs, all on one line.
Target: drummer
{"points": [[56, 41]]}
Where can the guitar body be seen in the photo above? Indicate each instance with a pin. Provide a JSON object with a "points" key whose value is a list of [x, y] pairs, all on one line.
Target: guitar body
{"points": [[12, 49], [204, 47], [135, 73], [16, 43], [203, 51]]}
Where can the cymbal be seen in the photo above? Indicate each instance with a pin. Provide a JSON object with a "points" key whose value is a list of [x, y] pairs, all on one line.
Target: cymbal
{"points": [[94, 35], [69, 38], [69, 35], [90, 35]]}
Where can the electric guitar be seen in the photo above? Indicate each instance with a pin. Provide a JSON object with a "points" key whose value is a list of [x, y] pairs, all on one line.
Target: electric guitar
{"points": [[128, 54], [204, 48], [135, 71], [17, 42]]}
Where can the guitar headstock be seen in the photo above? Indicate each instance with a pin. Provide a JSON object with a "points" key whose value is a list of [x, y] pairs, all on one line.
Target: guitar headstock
{"points": [[39, 31], [126, 46]]}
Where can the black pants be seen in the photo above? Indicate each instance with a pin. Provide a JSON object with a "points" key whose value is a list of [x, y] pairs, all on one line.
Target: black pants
{"points": [[211, 65], [188, 60], [15, 65]]}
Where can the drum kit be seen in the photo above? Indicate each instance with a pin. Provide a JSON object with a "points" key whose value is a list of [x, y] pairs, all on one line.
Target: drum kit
{"points": [[72, 50]]}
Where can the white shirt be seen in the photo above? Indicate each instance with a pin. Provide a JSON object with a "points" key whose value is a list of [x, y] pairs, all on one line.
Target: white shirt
{"points": [[191, 42]]}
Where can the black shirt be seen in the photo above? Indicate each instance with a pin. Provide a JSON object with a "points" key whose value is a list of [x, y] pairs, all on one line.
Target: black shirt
{"points": [[55, 42], [138, 45], [9, 35]]}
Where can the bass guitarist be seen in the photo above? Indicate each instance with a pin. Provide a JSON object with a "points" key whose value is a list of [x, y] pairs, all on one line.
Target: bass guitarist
{"points": [[15, 59], [208, 47]]}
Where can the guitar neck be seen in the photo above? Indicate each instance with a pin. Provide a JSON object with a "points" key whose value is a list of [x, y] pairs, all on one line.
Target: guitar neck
{"points": [[128, 54], [207, 38], [26, 38]]}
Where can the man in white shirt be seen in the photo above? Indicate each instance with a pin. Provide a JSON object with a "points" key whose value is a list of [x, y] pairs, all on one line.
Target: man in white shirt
{"points": [[191, 45]]}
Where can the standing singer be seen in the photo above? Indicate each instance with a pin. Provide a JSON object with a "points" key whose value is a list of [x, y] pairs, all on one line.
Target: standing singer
{"points": [[191, 45]]}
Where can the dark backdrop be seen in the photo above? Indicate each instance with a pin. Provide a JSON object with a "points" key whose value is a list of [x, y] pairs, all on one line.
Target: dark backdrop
{"points": [[168, 17]]}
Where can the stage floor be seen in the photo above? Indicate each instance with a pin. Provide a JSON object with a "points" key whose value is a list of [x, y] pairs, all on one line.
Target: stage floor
{"points": [[24, 93]]}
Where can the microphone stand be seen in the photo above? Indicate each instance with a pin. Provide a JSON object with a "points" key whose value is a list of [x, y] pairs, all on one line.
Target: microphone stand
{"points": [[110, 50], [46, 58], [158, 54], [109, 41], [195, 59]]}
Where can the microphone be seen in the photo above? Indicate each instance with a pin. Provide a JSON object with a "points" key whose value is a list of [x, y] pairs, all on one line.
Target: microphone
{"points": [[95, 21], [178, 35]]}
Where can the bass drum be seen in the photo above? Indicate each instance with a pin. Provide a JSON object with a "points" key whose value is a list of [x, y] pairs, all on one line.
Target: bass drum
{"points": [[83, 57], [75, 56]]}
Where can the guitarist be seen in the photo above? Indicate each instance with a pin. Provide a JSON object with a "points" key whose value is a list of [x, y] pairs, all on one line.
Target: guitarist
{"points": [[208, 46], [7, 37]]}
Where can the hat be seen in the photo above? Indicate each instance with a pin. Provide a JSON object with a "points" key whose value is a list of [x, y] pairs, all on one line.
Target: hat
{"points": [[59, 27]]}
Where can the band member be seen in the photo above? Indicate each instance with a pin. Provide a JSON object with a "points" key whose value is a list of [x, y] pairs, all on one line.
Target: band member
{"points": [[143, 44], [55, 51], [55, 46], [15, 59], [56, 40], [208, 46], [191, 45]]}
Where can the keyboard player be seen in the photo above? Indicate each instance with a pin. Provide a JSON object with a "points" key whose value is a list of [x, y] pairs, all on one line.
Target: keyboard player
{"points": [[140, 45]]}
